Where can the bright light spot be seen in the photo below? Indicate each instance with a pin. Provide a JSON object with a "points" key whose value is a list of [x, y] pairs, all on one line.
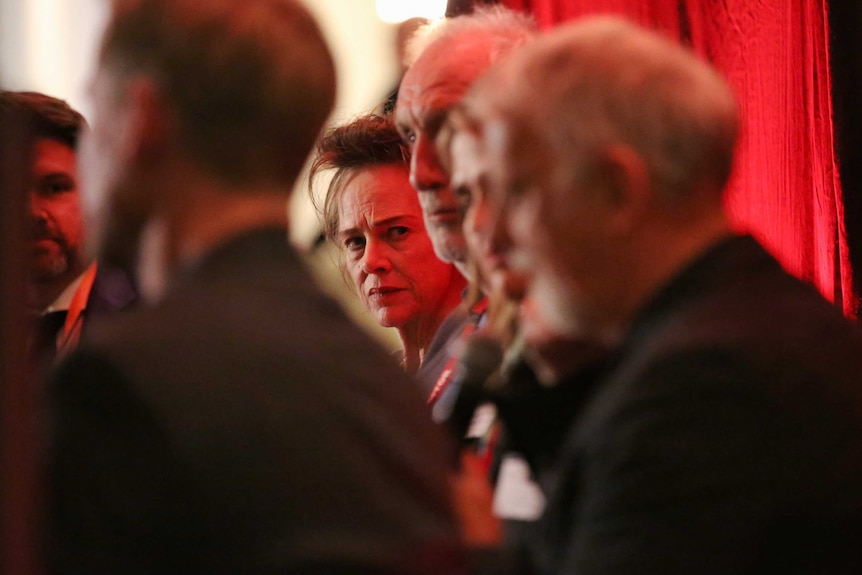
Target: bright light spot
{"points": [[46, 44], [395, 11]]}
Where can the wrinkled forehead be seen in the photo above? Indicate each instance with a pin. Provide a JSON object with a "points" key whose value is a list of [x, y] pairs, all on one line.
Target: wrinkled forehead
{"points": [[439, 79], [383, 191]]}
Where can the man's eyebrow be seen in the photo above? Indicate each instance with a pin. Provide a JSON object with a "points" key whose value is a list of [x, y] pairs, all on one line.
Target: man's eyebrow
{"points": [[56, 175], [434, 120], [432, 115], [55, 178]]}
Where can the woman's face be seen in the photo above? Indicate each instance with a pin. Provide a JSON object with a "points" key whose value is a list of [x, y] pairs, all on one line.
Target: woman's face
{"points": [[388, 254]]}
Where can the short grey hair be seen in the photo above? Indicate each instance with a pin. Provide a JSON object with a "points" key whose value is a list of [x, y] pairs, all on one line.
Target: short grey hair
{"points": [[603, 81], [507, 29]]}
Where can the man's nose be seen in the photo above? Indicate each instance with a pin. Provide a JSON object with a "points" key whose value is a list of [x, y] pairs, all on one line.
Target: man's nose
{"points": [[376, 259], [426, 173], [36, 206]]}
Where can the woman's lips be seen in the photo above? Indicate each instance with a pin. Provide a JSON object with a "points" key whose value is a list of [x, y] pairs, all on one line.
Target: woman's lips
{"points": [[381, 293]]}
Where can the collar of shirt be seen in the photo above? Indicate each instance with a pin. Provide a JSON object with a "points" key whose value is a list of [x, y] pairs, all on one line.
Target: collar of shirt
{"points": [[64, 300]]}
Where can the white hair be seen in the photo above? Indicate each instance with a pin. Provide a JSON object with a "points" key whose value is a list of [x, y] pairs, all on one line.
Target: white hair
{"points": [[603, 81], [507, 28]]}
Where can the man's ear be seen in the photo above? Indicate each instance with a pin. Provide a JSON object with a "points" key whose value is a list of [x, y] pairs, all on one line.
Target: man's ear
{"points": [[625, 185]]}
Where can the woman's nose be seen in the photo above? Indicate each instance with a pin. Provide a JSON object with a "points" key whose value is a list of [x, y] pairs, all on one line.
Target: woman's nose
{"points": [[376, 258]]}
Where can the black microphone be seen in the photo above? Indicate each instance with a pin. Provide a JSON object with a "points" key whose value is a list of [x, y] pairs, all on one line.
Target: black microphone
{"points": [[479, 359]]}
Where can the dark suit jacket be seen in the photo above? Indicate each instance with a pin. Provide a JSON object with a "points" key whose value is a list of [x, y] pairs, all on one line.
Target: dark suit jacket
{"points": [[112, 291], [243, 425], [726, 437]]}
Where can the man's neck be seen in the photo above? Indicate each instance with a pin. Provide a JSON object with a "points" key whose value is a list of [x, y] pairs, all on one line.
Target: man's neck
{"points": [[205, 219], [655, 261]]}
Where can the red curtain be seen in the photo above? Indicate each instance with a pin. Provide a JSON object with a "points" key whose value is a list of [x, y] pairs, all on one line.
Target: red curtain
{"points": [[775, 53]]}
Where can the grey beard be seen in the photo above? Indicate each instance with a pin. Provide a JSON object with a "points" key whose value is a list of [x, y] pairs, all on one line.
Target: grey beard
{"points": [[50, 267]]}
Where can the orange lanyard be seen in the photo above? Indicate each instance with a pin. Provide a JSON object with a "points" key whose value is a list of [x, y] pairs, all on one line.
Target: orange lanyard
{"points": [[71, 332], [448, 373]]}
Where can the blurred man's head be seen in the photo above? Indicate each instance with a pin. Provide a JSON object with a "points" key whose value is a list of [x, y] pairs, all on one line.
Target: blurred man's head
{"points": [[616, 178], [460, 149], [454, 55], [55, 231], [232, 91]]}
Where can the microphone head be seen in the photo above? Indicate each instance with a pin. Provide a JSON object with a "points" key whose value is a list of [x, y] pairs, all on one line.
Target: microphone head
{"points": [[480, 356]]}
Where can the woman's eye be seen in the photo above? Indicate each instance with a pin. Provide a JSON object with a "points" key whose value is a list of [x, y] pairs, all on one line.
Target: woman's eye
{"points": [[354, 244]]}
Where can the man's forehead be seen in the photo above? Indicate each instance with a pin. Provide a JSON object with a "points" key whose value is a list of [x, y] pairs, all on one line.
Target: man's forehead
{"points": [[439, 78], [428, 99], [54, 144], [52, 153]]}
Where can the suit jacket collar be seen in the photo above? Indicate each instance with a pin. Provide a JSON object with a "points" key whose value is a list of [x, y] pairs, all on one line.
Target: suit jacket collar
{"points": [[112, 291], [722, 263], [243, 255]]}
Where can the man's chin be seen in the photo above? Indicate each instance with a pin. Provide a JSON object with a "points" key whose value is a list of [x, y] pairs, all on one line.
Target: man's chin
{"points": [[48, 267], [451, 250]]}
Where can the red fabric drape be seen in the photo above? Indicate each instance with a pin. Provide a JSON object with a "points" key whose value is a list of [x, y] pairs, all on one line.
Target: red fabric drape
{"points": [[775, 53]]}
